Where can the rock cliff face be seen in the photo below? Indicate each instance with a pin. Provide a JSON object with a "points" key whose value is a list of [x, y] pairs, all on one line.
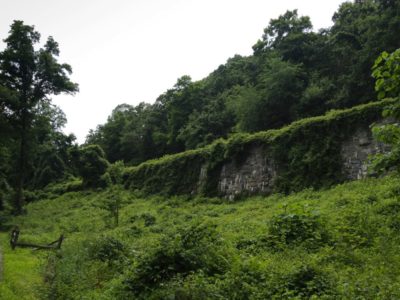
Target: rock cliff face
{"points": [[257, 172], [356, 150]]}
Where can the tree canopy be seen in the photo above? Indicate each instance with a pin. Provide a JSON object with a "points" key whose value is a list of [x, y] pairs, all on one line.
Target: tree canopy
{"points": [[27, 78], [294, 72]]}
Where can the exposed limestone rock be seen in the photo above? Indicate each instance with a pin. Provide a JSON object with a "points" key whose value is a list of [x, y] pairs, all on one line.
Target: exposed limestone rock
{"points": [[254, 175], [256, 172], [355, 153]]}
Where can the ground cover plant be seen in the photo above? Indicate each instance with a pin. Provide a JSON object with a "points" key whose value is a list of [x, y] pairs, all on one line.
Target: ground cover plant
{"points": [[341, 242]]}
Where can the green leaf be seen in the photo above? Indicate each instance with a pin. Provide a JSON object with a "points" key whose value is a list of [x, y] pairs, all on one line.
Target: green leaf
{"points": [[381, 95]]}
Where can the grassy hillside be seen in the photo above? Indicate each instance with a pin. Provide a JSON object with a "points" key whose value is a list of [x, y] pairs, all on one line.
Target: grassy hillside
{"points": [[22, 272], [338, 243]]}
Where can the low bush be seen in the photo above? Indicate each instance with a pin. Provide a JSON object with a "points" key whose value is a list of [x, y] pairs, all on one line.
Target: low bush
{"points": [[358, 228], [197, 248], [305, 282], [147, 218], [295, 229], [107, 249]]}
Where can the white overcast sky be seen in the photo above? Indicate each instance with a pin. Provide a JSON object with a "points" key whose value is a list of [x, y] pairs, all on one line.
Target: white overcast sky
{"points": [[128, 51]]}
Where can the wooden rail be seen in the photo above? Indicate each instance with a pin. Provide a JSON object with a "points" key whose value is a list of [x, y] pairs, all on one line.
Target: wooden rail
{"points": [[14, 242]]}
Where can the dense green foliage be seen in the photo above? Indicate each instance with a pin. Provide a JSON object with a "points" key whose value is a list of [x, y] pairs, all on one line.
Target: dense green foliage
{"points": [[341, 243], [386, 72], [387, 75], [92, 165], [306, 152], [294, 72], [28, 120]]}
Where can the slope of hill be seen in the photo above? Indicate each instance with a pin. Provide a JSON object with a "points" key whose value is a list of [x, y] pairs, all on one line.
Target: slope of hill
{"points": [[340, 243]]}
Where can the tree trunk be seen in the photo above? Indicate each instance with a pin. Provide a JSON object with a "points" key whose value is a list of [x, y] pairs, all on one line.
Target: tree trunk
{"points": [[19, 196]]}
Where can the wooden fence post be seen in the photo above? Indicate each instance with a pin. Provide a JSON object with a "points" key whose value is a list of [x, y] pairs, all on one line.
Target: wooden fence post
{"points": [[14, 237]]}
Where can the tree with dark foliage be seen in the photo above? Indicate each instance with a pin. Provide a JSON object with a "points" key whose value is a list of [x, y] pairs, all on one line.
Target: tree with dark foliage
{"points": [[27, 78]]}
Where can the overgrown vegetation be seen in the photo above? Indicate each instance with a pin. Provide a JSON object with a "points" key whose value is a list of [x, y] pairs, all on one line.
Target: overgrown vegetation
{"points": [[341, 243], [307, 153], [295, 72], [387, 75], [157, 229]]}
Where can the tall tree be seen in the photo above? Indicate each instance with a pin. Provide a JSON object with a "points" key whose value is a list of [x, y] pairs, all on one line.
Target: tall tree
{"points": [[28, 77], [180, 102], [288, 27]]}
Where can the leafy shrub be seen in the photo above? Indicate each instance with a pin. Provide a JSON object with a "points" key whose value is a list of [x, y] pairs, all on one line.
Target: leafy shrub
{"points": [[390, 208], [112, 203], [72, 185], [306, 282], [107, 249], [104, 181], [386, 72], [247, 244], [394, 223], [92, 165], [295, 229], [358, 227], [116, 171], [54, 190], [196, 248], [134, 231], [149, 219], [251, 280], [247, 280]]}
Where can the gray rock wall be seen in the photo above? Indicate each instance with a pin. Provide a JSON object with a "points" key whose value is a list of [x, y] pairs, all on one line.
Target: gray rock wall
{"points": [[256, 173], [355, 152]]}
